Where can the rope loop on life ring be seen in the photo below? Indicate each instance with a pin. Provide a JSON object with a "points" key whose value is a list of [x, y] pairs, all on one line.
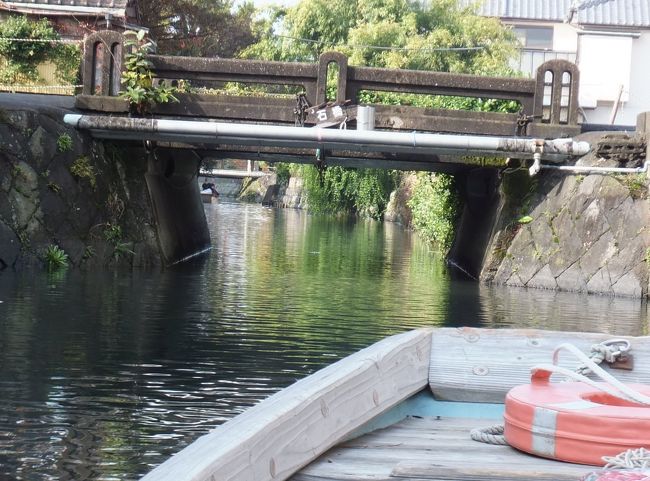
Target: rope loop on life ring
{"points": [[608, 351]]}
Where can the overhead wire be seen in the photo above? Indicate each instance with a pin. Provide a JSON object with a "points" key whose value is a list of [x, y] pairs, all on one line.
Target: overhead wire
{"points": [[381, 47]]}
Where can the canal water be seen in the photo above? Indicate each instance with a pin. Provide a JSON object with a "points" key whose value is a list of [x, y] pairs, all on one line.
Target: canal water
{"points": [[104, 374]]}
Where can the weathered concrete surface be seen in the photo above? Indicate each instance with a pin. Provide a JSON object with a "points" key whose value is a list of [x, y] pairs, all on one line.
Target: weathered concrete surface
{"points": [[397, 209], [58, 187], [172, 181], [293, 195], [254, 190], [586, 233]]}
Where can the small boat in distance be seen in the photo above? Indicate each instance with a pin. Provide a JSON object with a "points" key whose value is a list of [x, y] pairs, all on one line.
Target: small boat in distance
{"points": [[401, 409], [208, 192]]}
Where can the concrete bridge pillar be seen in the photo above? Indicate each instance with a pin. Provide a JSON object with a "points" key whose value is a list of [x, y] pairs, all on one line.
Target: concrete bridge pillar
{"points": [[172, 181], [481, 203]]}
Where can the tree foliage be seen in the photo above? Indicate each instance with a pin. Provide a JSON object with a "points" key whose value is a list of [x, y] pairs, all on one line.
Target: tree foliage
{"points": [[437, 35], [23, 57], [203, 28], [387, 33], [337, 189], [435, 205]]}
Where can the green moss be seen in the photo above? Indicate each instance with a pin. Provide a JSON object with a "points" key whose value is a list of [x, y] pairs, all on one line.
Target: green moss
{"points": [[637, 185], [82, 169], [64, 143]]}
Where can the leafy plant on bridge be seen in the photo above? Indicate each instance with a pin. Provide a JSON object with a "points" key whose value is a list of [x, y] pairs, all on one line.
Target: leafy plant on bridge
{"points": [[137, 77]]}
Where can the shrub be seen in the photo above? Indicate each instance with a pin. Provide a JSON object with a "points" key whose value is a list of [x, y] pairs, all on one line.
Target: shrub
{"points": [[435, 205], [55, 258], [24, 57]]}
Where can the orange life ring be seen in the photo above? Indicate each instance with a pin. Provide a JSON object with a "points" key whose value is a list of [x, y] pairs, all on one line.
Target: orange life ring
{"points": [[574, 422]]}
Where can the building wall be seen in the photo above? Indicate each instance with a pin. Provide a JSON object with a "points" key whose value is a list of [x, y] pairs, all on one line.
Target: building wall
{"points": [[565, 38], [637, 94]]}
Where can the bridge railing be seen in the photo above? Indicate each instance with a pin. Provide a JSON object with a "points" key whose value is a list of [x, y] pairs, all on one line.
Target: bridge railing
{"points": [[548, 103]]}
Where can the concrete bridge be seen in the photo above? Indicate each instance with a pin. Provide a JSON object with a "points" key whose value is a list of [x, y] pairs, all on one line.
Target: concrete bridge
{"points": [[276, 127]]}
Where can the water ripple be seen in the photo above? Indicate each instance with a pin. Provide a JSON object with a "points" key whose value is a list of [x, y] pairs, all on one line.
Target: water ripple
{"points": [[103, 375]]}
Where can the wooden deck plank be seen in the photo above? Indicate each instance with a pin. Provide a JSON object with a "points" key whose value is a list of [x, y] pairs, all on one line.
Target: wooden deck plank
{"points": [[434, 450], [472, 364]]}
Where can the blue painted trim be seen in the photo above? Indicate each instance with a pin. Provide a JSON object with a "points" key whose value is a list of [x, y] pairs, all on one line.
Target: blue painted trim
{"points": [[423, 404]]}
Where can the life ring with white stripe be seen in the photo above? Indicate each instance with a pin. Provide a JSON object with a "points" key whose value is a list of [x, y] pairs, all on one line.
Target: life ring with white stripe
{"points": [[576, 422]]}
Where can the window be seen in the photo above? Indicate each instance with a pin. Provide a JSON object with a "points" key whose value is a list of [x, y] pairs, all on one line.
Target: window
{"points": [[535, 37]]}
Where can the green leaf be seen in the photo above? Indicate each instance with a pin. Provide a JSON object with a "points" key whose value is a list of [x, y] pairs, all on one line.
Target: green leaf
{"points": [[525, 219]]}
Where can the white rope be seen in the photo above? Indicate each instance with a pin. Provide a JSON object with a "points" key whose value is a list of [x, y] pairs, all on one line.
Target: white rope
{"points": [[630, 459], [489, 435], [607, 351], [611, 385]]}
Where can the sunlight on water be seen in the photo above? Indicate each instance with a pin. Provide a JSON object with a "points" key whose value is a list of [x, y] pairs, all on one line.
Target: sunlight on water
{"points": [[105, 374]]}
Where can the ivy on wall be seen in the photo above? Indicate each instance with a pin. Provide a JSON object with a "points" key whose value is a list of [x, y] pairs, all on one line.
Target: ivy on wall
{"points": [[23, 57]]}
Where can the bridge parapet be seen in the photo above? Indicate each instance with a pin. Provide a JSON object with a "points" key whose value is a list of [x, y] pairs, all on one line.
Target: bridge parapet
{"points": [[548, 104]]}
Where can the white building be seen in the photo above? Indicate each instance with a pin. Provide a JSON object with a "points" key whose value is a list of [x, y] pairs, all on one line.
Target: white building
{"points": [[608, 39]]}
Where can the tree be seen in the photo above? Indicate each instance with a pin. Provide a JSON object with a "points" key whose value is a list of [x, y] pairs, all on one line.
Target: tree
{"points": [[435, 35], [202, 28]]}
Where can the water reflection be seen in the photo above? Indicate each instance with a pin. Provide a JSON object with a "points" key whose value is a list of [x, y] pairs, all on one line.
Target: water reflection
{"points": [[105, 374]]}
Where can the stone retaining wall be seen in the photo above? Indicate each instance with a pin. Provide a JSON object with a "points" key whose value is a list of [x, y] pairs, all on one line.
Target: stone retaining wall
{"points": [[586, 233], [58, 187]]}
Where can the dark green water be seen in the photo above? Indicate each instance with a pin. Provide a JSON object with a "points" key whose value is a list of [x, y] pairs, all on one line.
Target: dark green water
{"points": [[105, 374]]}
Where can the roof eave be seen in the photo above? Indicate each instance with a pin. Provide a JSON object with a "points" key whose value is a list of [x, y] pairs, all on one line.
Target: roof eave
{"points": [[63, 10]]}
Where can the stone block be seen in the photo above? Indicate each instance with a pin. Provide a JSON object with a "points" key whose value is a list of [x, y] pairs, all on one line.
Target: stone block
{"points": [[42, 146], [566, 245], [598, 255], [514, 281], [572, 279], [9, 246], [628, 285], [600, 283], [591, 223], [626, 259], [589, 185], [628, 219], [22, 208], [504, 271], [543, 279], [559, 196]]}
